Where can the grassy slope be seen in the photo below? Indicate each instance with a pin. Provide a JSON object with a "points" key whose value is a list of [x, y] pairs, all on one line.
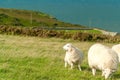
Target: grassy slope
{"points": [[24, 17], [13, 17], [32, 58]]}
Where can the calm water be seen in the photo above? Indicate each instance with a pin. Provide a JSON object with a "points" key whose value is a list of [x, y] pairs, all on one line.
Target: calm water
{"points": [[103, 14]]}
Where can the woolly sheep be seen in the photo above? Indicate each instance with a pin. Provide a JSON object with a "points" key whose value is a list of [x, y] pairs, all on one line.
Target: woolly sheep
{"points": [[73, 56], [116, 48], [103, 58]]}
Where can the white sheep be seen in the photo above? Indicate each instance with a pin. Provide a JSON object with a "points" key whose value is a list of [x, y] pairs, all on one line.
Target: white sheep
{"points": [[116, 48], [103, 58], [73, 56]]}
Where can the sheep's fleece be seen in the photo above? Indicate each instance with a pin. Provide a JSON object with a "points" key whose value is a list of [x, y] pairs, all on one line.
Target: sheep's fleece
{"points": [[103, 58], [73, 55], [116, 48]]}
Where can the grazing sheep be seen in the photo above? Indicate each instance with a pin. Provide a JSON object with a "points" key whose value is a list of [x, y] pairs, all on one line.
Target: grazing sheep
{"points": [[73, 56], [116, 48], [103, 58]]}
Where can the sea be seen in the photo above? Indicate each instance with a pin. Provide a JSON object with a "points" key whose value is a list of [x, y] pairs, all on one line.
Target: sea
{"points": [[104, 14]]}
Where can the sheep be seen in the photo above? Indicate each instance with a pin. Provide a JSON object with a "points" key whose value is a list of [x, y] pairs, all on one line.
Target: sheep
{"points": [[73, 56], [103, 58], [116, 48]]}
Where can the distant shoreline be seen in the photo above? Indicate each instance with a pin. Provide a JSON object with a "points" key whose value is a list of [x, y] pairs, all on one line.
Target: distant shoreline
{"points": [[107, 32]]}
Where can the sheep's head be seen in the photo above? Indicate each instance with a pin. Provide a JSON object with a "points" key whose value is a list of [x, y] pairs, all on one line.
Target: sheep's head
{"points": [[67, 47], [107, 73]]}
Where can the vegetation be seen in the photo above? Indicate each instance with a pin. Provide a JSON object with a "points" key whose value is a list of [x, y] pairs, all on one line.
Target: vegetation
{"points": [[63, 34], [41, 56], [25, 18], [33, 23], [33, 58]]}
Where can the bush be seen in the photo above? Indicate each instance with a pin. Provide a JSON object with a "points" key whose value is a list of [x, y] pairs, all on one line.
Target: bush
{"points": [[81, 36]]}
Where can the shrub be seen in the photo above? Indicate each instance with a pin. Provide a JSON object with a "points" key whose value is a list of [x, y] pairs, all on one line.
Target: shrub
{"points": [[81, 36]]}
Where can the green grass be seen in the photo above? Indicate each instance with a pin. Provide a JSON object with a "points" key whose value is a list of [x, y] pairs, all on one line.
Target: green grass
{"points": [[84, 31], [33, 58], [27, 18]]}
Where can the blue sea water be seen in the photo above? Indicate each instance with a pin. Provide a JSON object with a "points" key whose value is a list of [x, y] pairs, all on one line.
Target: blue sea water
{"points": [[103, 14]]}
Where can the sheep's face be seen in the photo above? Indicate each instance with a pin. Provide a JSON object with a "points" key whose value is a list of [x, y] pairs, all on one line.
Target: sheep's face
{"points": [[67, 47], [107, 73]]}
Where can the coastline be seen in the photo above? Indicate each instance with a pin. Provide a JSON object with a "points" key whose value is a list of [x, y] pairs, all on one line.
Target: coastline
{"points": [[105, 32]]}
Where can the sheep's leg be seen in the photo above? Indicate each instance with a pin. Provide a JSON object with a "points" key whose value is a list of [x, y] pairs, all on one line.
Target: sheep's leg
{"points": [[93, 71], [65, 64], [79, 67], [103, 73], [71, 65]]}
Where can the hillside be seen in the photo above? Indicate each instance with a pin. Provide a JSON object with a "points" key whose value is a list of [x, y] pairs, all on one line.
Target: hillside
{"points": [[26, 18], [29, 23]]}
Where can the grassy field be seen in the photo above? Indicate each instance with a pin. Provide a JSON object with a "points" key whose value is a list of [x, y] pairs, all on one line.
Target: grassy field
{"points": [[33, 58]]}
